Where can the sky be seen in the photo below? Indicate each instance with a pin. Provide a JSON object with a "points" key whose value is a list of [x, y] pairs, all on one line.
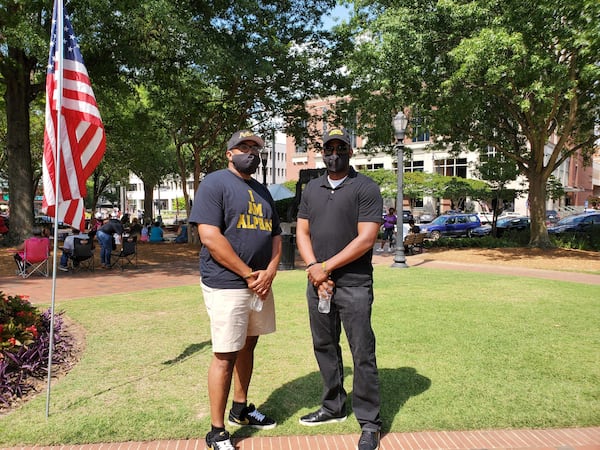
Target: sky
{"points": [[338, 14]]}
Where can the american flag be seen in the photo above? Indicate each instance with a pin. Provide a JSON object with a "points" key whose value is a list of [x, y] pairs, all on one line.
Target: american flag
{"points": [[82, 132]]}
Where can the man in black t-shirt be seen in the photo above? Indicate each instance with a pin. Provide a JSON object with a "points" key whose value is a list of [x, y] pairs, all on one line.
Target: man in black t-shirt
{"points": [[241, 247], [338, 223]]}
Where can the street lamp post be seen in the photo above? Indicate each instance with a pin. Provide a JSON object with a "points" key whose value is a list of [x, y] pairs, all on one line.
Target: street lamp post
{"points": [[264, 155], [400, 123]]}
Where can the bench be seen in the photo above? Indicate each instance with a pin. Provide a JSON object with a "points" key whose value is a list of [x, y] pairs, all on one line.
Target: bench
{"points": [[413, 243]]}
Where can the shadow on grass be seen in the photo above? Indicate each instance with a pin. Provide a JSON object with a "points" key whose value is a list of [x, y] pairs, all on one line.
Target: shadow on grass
{"points": [[189, 351], [397, 386]]}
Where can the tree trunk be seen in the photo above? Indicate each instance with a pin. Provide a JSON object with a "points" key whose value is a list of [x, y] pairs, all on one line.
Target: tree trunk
{"points": [[20, 181], [537, 210], [148, 202]]}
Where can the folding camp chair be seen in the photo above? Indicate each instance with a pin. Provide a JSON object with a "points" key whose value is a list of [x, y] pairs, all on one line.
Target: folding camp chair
{"points": [[128, 253], [83, 254], [34, 257]]}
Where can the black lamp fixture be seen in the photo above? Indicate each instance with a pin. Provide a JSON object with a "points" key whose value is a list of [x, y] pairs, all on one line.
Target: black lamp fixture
{"points": [[264, 156], [400, 123]]}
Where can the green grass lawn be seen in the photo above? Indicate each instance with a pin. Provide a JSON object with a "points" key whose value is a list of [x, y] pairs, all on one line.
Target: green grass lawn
{"points": [[455, 350]]}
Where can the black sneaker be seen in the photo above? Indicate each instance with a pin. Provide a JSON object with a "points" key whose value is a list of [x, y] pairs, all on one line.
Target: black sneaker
{"points": [[251, 417], [321, 417], [369, 440], [220, 441]]}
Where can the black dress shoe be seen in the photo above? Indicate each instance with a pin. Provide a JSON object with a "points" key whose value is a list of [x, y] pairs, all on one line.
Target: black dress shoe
{"points": [[321, 417], [369, 440]]}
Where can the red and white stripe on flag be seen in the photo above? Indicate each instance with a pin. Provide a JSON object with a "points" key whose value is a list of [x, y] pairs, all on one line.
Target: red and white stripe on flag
{"points": [[82, 133]]}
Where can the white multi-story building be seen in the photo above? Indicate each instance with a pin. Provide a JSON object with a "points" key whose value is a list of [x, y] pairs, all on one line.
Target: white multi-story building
{"points": [[168, 197]]}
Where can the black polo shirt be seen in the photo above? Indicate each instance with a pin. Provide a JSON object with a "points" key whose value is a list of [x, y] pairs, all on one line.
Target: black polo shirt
{"points": [[333, 216]]}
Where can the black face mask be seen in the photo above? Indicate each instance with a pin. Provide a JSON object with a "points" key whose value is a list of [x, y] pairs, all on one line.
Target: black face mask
{"points": [[246, 163], [337, 163]]}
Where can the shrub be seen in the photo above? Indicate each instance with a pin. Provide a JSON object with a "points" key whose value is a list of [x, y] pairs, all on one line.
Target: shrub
{"points": [[579, 241], [476, 242], [25, 346], [513, 238]]}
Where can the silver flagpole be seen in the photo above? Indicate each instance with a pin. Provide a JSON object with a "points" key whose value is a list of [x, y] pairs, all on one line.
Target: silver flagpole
{"points": [[58, 5]]}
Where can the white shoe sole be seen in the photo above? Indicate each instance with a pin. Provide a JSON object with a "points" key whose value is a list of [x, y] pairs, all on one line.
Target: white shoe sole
{"points": [[323, 422], [256, 427]]}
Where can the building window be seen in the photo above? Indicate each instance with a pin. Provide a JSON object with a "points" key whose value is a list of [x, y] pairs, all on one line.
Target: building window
{"points": [[452, 167], [414, 166], [369, 167], [301, 146], [490, 151], [420, 132], [353, 140]]}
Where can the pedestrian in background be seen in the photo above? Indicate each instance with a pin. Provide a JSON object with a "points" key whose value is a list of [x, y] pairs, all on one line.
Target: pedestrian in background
{"points": [[389, 224]]}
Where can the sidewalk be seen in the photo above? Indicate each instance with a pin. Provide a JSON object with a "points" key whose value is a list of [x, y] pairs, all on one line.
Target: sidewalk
{"points": [[185, 272], [70, 286], [559, 439]]}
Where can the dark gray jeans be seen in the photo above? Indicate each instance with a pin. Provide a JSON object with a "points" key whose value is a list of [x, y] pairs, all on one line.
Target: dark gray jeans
{"points": [[350, 307]]}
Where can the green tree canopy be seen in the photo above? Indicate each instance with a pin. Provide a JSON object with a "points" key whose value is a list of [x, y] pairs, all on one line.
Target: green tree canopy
{"points": [[246, 61], [519, 77], [420, 184]]}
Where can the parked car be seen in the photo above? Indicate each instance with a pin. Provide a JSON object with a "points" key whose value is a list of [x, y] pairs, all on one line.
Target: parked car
{"points": [[577, 223], [483, 230], [451, 225], [504, 224], [509, 214], [426, 217], [485, 217], [40, 221], [48, 222], [406, 216], [512, 223], [552, 217]]}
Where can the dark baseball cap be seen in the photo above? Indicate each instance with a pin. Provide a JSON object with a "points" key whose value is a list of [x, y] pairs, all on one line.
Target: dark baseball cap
{"points": [[244, 135], [336, 133]]}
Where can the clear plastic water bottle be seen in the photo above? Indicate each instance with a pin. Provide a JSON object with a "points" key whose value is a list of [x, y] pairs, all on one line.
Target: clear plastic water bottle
{"points": [[256, 303], [324, 303]]}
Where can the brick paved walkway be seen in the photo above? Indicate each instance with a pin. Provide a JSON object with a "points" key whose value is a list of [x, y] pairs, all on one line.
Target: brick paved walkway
{"points": [[181, 273], [559, 439], [69, 286]]}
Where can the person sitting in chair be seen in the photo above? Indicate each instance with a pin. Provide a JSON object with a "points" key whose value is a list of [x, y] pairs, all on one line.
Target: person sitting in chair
{"points": [[156, 233], [182, 237], [69, 246], [412, 229], [135, 229]]}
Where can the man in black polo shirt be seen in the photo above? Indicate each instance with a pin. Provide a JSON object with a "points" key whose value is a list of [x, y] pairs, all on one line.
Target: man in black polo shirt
{"points": [[338, 221]]}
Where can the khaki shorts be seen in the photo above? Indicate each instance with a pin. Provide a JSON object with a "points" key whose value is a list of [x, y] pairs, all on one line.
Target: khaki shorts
{"points": [[232, 320]]}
